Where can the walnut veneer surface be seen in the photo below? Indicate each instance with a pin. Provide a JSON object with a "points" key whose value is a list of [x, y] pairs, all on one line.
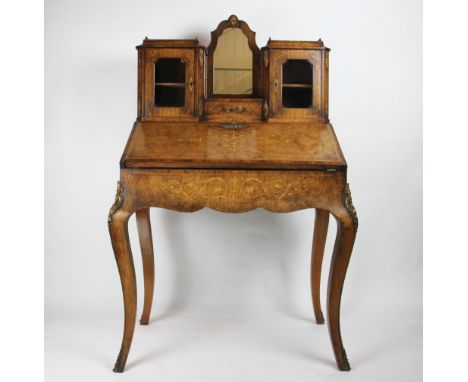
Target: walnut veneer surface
{"points": [[261, 145]]}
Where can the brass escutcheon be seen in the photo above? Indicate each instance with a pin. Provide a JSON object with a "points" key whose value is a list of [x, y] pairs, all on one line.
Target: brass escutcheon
{"points": [[275, 86], [190, 84]]}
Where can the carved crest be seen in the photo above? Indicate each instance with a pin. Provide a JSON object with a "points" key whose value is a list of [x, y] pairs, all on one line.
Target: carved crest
{"points": [[234, 20]]}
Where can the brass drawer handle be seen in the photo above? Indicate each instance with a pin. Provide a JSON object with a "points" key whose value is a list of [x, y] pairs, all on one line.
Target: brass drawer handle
{"points": [[233, 125], [239, 109]]}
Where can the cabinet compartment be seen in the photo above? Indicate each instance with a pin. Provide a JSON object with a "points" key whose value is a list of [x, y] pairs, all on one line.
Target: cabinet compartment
{"points": [[169, 91], [169, 80], [295, 81]]}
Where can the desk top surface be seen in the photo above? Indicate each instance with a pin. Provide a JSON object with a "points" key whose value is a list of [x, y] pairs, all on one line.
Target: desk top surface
{"points": [[311, 146]]}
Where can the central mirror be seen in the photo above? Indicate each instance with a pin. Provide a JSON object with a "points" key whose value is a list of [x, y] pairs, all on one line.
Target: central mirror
{"points": [[232, 64], [233, 61]]}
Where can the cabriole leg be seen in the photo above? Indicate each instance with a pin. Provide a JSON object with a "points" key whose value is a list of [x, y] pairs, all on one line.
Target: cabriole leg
{"points": [[318, 247], [118, 229], [347, 224], [146, 245]]}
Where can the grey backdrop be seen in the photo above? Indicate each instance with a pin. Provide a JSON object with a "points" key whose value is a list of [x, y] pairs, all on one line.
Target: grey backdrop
{"points": [[232, 292]]}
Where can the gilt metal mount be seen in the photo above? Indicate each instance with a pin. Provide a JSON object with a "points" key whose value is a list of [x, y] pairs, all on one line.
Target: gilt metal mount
{"points": [[350, 207], [117, 203]]}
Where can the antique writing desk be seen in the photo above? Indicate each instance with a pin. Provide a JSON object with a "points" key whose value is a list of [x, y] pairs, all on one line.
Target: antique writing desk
{"points": [[233, 128]]}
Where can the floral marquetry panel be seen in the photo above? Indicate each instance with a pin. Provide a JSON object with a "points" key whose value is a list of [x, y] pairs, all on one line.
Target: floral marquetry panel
{"points": [[231, 191]]}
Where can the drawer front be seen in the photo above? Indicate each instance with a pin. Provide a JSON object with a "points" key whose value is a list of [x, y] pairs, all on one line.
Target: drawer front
{"points": [[233, 110]]}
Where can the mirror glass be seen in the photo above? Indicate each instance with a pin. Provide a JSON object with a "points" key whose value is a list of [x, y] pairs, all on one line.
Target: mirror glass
{"points": [[232, 64]]}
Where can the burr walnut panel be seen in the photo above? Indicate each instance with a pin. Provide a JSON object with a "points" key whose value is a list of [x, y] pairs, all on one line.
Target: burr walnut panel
{"points": [[204, 145]]}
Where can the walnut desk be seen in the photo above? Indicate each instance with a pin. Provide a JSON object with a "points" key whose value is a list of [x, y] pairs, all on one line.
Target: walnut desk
{"points": [[280, 153]]}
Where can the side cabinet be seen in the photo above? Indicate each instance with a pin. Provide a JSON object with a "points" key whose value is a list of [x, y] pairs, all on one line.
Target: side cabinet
{"points": [[295, 80], [170, 80]]}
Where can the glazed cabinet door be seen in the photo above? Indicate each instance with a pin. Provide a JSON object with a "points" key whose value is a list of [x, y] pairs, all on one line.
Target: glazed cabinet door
{"points": [[295, 84], [170, 84]]}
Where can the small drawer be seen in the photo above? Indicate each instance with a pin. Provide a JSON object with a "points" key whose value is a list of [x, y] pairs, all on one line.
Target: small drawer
{"points": [[241, 110]]}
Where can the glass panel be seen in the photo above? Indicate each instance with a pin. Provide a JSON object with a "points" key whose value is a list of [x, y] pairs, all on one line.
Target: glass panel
{"points": [[297, 84], [170, 70], [169, 96], [298, 98], [297, 72], [169, 89], [232, 64]]}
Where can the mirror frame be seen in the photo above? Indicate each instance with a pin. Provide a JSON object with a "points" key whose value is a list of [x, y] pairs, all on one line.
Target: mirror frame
{"points": [[234, 22]]}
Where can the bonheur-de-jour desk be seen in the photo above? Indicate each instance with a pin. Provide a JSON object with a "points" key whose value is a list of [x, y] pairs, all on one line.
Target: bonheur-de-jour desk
{"points": [[233, 128]]}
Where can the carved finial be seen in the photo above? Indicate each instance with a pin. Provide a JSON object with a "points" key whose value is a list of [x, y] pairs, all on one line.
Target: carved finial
{"points": [[320, 40], [146, 37], [117, 203], [233, 20]]}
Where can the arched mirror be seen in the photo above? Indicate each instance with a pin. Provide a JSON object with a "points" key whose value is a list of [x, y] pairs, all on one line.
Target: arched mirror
{"points": [[233, 61], [232, 64]]}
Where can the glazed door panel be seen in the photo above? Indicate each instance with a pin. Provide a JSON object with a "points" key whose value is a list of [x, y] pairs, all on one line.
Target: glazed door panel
{"points": [[170, 84], [295, 84]]}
